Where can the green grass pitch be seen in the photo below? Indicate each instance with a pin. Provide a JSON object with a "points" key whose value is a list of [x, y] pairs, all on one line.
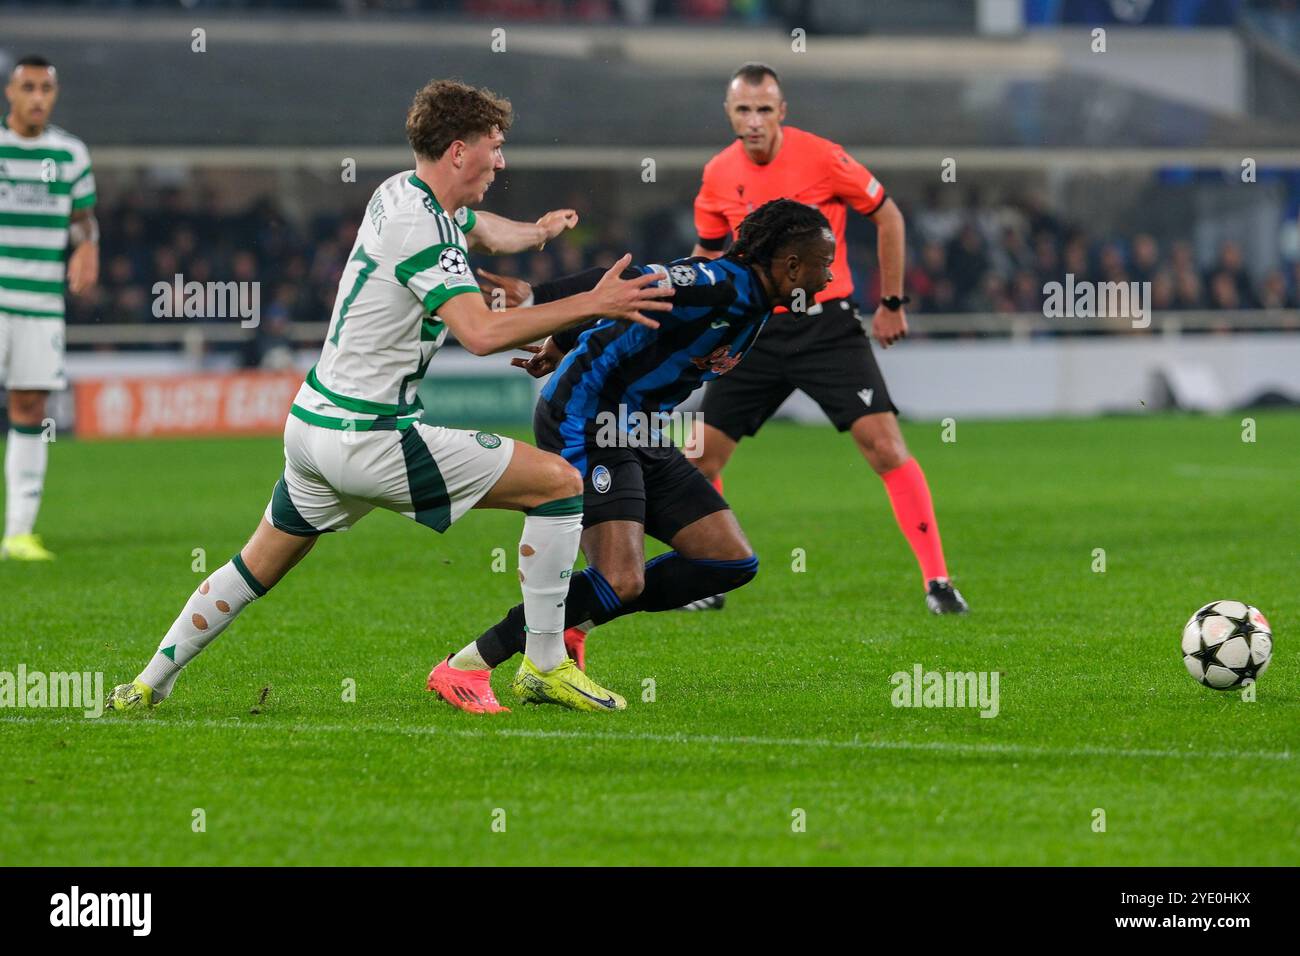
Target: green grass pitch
{"points": [[780, 703]]}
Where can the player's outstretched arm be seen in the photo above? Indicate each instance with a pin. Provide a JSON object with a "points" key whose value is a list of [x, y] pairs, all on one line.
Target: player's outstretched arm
{"points": [[483, 331], [499, 236]]}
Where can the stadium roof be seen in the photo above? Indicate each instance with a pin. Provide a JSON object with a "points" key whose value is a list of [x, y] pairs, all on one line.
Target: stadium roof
{"points": [[132, 80]]}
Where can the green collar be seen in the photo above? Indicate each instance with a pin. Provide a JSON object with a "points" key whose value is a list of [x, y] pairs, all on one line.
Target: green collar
{"points": [[421, 184]]}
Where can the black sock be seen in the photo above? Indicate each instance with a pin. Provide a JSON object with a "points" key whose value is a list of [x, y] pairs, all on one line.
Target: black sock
{"points": [[672, 580], [589, 595]]}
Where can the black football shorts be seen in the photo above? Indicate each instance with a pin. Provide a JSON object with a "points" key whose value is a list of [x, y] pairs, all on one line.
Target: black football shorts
{"points": [[827, 356], [656, 486]]}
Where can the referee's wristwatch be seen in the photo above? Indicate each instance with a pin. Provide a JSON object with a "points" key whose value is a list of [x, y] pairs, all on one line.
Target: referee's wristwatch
{"points": [[895, 302]]}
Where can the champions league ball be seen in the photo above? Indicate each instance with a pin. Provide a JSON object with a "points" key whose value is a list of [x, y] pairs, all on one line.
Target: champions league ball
{"points": [[1227, 644]]}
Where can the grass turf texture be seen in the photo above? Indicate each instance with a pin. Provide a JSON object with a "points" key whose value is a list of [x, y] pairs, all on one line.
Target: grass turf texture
{"points": [[780, 702]]}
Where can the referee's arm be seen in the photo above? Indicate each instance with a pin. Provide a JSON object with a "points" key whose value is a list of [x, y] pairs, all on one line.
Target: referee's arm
{"points": [[891, 246], [709, 223]]}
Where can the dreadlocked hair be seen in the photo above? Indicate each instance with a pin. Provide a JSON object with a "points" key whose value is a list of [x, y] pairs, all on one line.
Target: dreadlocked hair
{"points": [[775, 225]]}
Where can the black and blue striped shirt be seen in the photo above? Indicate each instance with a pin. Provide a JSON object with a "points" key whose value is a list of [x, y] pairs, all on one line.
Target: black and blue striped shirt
{"points": [[719, 308]]}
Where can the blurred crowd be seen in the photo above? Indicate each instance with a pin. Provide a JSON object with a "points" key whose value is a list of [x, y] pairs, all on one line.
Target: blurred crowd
{"points": [[996, 258], [973, 257], [150, 237]]}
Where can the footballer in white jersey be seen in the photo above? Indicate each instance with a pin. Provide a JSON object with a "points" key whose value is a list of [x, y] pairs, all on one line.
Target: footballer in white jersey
{"points": [[410, 258], [47, 199], [354, 440]]}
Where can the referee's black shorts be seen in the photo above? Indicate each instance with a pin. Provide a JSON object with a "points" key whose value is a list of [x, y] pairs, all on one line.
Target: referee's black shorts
{"points": [[827, 356]]}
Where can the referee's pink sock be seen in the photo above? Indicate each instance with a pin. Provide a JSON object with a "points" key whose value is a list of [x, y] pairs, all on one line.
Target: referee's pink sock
{"points": [[910, 496]]}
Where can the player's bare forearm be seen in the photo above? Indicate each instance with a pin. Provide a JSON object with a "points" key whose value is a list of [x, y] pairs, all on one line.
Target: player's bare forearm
{"points": [[891, 247], [83, 263], [483, 331], [499, 236], [512, 328]]}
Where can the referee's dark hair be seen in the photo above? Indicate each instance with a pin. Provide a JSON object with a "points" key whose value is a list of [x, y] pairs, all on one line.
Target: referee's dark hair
{"points": [[755, 72], [775, 225]]}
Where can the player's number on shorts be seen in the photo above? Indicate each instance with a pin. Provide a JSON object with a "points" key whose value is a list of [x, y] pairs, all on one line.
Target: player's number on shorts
{"points": [[368, 266]]}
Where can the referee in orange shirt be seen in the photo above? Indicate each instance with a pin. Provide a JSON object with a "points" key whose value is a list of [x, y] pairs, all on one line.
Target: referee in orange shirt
{"points": [[824, 352]]}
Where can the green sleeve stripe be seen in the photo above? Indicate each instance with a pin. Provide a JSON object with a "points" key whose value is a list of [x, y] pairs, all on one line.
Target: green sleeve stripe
{"points": [[360, 405], [31, 285], [424, 259], [38, 220], [254, 585], [26, 429], [27, 252], [18, 152], [84, 173], [438, 297], [471, 220], [83, 202], [559, 508], [384, 423]]}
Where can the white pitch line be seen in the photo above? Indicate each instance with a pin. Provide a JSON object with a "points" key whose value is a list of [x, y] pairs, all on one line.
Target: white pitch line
{"points": [[973, 749]]}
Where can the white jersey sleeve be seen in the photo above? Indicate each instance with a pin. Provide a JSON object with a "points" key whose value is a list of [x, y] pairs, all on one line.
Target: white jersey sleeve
{"points": [[438, 267]]}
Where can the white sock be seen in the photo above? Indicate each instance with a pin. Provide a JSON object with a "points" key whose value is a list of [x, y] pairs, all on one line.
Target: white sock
{"points": [[469, 659], [547, 552], [25, 458], [208, 612]]}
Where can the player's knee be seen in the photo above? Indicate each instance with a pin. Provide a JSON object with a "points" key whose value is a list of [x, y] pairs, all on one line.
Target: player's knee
{"points": [[628, 583], [883, 452], [563, 480], [732, 549], [895, 456], [26, 408]]}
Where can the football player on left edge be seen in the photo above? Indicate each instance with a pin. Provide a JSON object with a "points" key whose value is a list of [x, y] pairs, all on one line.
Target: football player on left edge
{"points": [[46, 206]]}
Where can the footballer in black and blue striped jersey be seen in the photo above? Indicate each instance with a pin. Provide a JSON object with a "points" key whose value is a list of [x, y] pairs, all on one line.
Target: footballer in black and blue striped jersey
{"points": [[635, 481], [614, 370]]}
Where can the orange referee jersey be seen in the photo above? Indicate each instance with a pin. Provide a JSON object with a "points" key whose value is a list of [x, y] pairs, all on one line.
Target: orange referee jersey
{"points": [[808, 169]]}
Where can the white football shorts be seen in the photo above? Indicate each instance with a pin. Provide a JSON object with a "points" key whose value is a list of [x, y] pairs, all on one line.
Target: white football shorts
{"points": [[31, 353], [333, 478]]}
